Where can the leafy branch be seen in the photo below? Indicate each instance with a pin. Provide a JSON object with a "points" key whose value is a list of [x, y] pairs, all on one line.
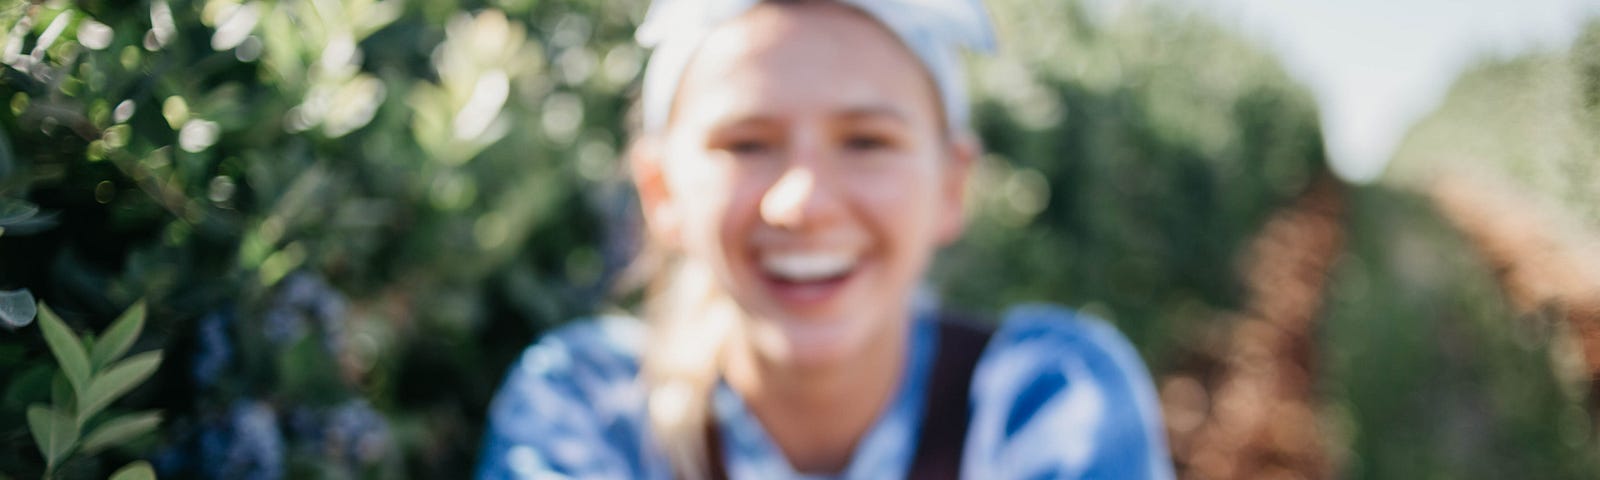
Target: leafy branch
{"points": [[93, 374]]}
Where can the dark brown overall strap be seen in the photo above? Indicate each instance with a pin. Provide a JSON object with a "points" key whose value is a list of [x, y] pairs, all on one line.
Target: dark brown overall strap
{"points": [[945, 410], [716, 464]]}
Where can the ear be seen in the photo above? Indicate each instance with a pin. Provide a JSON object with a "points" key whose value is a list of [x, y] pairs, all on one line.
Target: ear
{"points": [[656, 203], [963, 151]]}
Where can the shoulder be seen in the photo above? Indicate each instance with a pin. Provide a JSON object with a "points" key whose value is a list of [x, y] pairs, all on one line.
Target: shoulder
{"points": [[1063, 394], [605, 346], [1029, 330], [589, 358], [571, 404]]}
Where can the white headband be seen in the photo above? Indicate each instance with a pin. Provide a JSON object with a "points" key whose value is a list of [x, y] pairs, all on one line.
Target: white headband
{"points": [[933, 29]]}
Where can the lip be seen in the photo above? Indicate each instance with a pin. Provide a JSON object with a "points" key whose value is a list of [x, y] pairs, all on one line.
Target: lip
{"points": [[808, 296]]}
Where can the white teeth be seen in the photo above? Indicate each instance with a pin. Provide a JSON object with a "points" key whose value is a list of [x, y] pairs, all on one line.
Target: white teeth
{"points": [[808, 266]]}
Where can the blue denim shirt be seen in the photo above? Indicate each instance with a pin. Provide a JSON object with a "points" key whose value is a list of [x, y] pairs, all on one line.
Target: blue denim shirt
{"points": [[1055, 395]]}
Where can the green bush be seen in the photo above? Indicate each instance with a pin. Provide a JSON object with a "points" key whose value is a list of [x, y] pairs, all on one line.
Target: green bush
{"points": [[1132, 156], [1434, 370], [347, 216]]}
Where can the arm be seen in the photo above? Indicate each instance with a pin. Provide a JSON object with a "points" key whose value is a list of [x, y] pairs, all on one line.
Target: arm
{"points": [[567, 409]]}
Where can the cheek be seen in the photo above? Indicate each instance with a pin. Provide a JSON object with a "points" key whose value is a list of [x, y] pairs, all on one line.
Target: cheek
{"points": [[899, 213], [693, 186], [719, 204], [903, 203]]}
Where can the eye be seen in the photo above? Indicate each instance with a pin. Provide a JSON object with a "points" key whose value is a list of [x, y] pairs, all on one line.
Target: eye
{"points": [[745, 142], [863, 143], [748, 146]]}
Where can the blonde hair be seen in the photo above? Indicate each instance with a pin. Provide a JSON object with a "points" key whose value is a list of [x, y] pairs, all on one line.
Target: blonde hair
{"points": [[690, 321]]}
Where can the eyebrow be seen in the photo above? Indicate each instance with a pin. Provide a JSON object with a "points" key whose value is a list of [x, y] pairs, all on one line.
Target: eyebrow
{"points": [[746, 120], [876, 111], [853, 113]]}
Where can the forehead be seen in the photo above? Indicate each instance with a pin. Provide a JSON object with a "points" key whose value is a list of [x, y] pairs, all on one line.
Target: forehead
{"points": [[811, 57]]}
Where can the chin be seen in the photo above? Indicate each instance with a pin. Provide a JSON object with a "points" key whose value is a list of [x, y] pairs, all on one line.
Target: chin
{"points": [[811, 342]]}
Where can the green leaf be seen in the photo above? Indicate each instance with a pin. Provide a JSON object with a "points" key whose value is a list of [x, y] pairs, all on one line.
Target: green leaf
{"points": [[61, 394], [16, 308], [28, 387], [53, 431], [115, 381], [119, 337], [66, 347], [139, 470], [120, 430]]}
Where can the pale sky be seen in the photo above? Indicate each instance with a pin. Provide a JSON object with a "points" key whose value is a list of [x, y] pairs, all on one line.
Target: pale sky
{"points": [[1376, 66]]}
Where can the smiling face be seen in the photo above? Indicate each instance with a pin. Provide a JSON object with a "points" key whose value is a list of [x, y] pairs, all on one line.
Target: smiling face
{"points": [[807, 164]]}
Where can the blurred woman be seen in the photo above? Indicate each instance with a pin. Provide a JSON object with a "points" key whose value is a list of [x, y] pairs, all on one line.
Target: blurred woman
{"points": [[798, 166]]}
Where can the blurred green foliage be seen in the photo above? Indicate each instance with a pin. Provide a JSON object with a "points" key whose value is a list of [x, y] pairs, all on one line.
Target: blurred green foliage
{"points": [[1433, 372], [1132, 154], [1429, 372], [348, 216]]}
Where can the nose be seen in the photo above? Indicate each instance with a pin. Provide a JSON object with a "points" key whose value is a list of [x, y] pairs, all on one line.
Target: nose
{"points": [[799, 199]]}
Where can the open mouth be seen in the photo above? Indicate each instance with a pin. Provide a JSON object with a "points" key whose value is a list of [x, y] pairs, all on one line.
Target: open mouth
{"points": [[802, 278]]}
